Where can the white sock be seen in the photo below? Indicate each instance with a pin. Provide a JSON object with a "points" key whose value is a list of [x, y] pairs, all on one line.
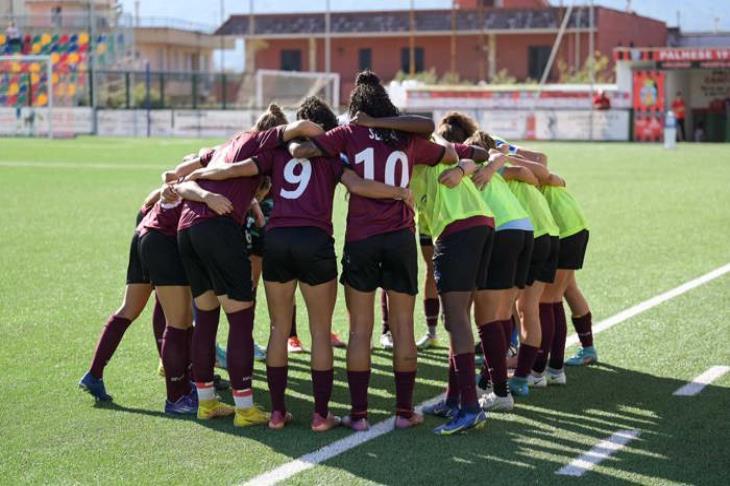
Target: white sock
{"points": [[206, 390], [243, 398]]}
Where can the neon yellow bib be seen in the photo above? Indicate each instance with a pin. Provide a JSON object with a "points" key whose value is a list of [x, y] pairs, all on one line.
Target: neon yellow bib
{"points": [[566, 211], [536, 206], [438, 206], [500, 199]]}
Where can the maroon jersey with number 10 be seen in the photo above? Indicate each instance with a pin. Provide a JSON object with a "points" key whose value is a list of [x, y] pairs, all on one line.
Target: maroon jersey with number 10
{"points": [[302, 189], [373, 159], [240, 191]]}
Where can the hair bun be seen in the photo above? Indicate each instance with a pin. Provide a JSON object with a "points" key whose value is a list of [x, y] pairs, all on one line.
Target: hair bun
{"points": [[275, 109], [367, 77]]}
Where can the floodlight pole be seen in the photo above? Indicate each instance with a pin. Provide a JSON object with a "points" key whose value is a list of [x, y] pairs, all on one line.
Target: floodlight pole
{"points": [[592, 60], [327, 39], [453, 38]]}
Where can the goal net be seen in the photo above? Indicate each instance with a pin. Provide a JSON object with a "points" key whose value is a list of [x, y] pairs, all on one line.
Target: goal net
{"points": [[290, 88], [26, 96]]}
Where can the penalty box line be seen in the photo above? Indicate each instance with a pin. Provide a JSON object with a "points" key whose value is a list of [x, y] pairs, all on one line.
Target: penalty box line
{"points": [[336, 448]]}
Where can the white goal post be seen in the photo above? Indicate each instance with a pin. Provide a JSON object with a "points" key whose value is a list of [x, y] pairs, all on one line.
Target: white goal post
{"points": [[290, 88], [35, 112]]}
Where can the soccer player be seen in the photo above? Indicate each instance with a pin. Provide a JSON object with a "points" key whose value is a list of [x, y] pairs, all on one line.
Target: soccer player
{"points": [[215, 260], [537, 319], [380, 248], [507, 272]]}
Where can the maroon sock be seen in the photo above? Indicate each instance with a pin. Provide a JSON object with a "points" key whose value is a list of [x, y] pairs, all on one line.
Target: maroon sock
{"points": [[508, 327], [175, 359], [277, 378], [206, 328], [525, 360], [384, 310], [557, 350], [547, 326], [293, 332], [358, 382], [240, 348], [431, 309], [190, 332], [111, 336], [405, 382], [158, 325], [452, 389], [322, 390], [495, 353], [466, 373], [584, 327]]}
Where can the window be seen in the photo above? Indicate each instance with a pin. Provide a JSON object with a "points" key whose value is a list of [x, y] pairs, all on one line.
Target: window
{"points": [[365, 57], [291, 60], [537, 58], [405, 59]]}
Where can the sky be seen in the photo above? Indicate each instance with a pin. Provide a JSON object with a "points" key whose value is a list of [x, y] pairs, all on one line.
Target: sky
{"points": [[695, 15]]}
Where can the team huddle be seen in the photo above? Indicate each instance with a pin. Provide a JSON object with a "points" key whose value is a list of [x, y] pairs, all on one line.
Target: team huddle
{"points": [[500, 235]]}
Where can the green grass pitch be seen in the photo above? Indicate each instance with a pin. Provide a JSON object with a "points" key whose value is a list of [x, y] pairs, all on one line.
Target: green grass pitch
{"points": [[658, 218]]}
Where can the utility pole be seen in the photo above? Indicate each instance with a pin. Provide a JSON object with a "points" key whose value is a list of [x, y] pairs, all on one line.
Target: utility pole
{"points": [[223, 50], [327, 39], [592, 60], [452, 67], [412, 40]]}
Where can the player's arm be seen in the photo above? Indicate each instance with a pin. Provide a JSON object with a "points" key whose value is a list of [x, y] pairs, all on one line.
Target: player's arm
{"points": [[304, 150], [555, 180], [485, 172], [301, 129], [190, 163], [152, 198], [191, 191], [532, 155], [450, 156], [540, 171], [523, 174], [419, 125], [246, 168], [479, 154], [453, 176], [372, 189]]}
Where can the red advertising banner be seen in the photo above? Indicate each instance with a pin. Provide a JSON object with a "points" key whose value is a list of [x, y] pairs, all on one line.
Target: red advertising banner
{"points": [[648, 103]]}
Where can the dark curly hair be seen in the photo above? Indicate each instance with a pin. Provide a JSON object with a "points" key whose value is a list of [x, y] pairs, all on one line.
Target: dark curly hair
{"points": [[456, 127], [370, 97], [317, 110], [271, 118], [481, 139]]}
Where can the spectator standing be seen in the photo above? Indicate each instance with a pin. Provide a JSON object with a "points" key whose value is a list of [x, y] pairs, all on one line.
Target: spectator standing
{"points": [[679, 113], [601, 101], [13, 38]]}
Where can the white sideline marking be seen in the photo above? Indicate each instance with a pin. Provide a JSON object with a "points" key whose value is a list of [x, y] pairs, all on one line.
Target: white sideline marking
{"points": [[695, 386], [598, 453], [310, 460], [72, 165], [653, 302]]}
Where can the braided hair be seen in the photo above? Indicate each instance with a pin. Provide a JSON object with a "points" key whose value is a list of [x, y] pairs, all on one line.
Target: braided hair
{"points": [[369, 96]]}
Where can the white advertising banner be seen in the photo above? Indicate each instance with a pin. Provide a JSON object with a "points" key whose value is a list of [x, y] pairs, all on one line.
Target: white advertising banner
{"points": [[133, 123], [611, 125], [34, 122]]}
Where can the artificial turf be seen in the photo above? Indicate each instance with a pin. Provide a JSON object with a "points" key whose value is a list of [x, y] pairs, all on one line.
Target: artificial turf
{"points": [[657, 218]]}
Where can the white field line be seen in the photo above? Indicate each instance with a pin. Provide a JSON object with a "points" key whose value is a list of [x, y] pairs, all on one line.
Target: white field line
{"points": [[695, 386], [72, 165], [653, 302], [598, 453], [336, 448]]}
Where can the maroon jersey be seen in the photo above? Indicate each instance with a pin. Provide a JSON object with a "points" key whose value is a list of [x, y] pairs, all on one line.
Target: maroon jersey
{"points": [[373, 159], [240, 191], [464, 151], [302, 190], [163, 217]]}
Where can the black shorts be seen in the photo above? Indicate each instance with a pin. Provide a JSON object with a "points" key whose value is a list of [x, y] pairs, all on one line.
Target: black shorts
{"points": [[573, 251], [306, 254], [510, 260], [161, 259], [214, 256], [544, 260], [425, 240], [461, 259], [388, 261], [135, 270]]}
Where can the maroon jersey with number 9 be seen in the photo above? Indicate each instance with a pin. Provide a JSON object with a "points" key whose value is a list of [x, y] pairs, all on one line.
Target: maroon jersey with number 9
{"points": [[373, 159]]}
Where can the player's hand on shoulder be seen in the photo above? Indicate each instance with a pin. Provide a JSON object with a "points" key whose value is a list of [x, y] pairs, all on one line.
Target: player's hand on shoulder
{"points": [[219, 204], [451, 177], [362, 119]]}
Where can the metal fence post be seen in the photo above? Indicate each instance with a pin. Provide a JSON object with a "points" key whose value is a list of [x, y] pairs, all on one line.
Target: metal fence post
{"points": [[223, 90]]}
